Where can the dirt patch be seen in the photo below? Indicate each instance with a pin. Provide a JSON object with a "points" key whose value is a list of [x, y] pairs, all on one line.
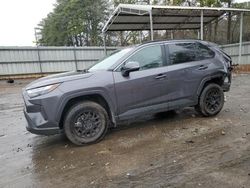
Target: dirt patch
{"points": [[179, 149]]}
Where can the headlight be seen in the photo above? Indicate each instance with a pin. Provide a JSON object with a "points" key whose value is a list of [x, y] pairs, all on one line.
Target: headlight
{"points": [[41, 90]]}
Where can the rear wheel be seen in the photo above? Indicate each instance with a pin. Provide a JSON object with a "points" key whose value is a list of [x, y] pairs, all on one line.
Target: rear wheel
{"points": [[86, 123], [211, 100]]}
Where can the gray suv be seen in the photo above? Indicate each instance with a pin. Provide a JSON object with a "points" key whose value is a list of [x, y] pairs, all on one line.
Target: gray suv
{"points": [[144, 79]]}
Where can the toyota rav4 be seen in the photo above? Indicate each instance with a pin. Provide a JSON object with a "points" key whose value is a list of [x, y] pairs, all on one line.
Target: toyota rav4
{"points": [[131, 82]]}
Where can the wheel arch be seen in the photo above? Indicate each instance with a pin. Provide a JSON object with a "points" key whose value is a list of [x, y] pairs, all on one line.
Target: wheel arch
{"points": [[95, 97], [216, 78]]}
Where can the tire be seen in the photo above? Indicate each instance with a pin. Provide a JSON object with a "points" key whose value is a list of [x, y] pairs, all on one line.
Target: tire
{"points": [[211, 100], [86, 123]]}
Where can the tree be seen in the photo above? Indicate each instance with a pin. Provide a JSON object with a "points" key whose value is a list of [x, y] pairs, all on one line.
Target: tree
{"points": [[79, 23], [74, 23]]}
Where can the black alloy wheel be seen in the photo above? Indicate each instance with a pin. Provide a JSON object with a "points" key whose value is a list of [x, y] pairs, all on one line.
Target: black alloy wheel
{"points": [[86, 123], [211, 100]]}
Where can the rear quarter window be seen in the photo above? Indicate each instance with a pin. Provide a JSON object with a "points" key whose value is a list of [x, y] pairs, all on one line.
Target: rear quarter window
{"points": [[203, 52]]}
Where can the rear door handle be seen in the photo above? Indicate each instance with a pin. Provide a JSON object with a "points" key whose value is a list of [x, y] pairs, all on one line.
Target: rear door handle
{"points": [[202, 67], [160, 76]]}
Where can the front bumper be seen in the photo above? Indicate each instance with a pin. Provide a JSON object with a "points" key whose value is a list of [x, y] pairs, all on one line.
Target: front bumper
{"points": [[45, 130], [39, 120]]}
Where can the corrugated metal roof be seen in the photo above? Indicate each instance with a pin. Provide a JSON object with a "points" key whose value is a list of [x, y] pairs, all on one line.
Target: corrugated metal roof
{"points": [[129, 17]]}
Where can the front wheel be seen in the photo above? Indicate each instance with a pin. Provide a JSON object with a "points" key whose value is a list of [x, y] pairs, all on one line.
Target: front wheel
{"points": [[211, 100], [86, 123]]}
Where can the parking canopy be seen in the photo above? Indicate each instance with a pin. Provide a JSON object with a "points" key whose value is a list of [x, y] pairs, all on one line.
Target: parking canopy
{"points": [[132, 17]]}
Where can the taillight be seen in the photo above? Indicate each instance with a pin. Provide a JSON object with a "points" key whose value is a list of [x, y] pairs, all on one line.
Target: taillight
{"points": [[228, 62]]}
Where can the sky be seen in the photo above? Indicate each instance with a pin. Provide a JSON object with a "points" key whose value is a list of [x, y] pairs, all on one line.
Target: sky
{"points": [[18, 18]]}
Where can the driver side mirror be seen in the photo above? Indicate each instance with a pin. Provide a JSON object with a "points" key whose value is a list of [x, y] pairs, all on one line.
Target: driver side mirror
{"points": [[130, 67]]}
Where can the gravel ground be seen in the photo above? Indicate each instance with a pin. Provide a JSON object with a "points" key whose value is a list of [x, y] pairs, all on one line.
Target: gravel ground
{"points": [[179, 149]]}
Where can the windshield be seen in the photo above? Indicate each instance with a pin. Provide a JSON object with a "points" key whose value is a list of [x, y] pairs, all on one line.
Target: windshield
{"points": [[108, 61]]}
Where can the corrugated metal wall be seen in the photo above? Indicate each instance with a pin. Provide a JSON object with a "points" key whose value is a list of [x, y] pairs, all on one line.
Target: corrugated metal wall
{"points": [[31, 60], [233, 51]]}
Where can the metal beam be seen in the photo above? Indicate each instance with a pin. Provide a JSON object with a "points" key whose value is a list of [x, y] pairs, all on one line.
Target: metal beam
{"points": [[151, 25], [240, 43], [156, 22], [173, 15], [104, 43], [201, 25], [146, 29]]}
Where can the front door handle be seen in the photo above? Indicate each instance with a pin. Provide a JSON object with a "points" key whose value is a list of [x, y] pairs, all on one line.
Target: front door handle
{"points": [[202, 67], [160, 76]]}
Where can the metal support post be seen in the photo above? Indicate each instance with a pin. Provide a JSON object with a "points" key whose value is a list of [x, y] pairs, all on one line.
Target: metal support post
{"points": [[151, 25], [201, 25], [76, 66], [241, 32], [39, 59]]}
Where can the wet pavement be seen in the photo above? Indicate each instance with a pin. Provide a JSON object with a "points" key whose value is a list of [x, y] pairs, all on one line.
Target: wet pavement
{"points": [[179, 149]]}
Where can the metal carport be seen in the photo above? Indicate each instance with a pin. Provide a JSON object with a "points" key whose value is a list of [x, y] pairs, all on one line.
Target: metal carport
{"points": [[131, 17]]}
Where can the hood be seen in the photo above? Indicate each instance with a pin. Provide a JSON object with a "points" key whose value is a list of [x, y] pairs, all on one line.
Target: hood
{"points": [[58, 78]]}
